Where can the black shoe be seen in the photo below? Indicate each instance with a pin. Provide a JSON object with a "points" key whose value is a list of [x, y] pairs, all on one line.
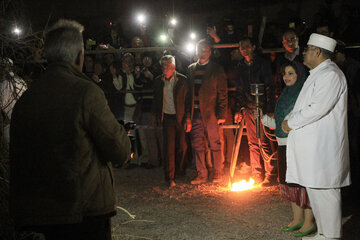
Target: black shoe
{"points": [[147, 165], [268, 182], [129, 166]]}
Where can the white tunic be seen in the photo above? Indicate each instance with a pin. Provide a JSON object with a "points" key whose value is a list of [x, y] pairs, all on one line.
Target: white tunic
{"points": [[317, 146]]}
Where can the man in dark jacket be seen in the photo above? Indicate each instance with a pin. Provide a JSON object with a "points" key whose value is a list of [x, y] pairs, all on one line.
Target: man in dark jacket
{"points": [[293, 53], [254, 69], [209, 105], [63, 140], [172, 107]]}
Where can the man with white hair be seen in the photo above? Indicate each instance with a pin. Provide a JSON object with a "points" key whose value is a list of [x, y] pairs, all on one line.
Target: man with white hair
{"points": [[318, 148], [172, 108], [63, 139]]}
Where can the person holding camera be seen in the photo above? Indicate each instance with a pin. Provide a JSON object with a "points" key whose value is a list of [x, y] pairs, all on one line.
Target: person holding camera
{"points": [[172, 108], [64, 140]]}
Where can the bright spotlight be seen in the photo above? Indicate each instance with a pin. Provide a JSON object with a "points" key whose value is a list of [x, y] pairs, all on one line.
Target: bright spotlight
{"points": [[16, 31], [141, 18], [163, 37], [192, 36], [173, 21], [190, 47]]}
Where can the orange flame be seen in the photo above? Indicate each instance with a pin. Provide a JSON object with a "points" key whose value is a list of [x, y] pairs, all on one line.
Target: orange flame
{"points": [[243, 185]]}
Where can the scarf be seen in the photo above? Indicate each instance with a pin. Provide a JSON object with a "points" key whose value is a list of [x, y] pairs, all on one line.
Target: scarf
{"points": [[285, 104]]}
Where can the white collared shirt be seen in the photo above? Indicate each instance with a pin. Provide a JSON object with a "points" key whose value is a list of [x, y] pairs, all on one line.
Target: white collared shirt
{"points": [[169, 104]]}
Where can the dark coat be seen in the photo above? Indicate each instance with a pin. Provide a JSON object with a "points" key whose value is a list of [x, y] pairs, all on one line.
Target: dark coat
{"points": [[182, 98], [63, 140], [258, 72], [213, 96]]}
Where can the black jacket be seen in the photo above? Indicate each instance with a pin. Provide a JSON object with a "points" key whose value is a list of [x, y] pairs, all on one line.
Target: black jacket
{"points": [[182, 98], [213, 95], [63, 140], [258, 72]]}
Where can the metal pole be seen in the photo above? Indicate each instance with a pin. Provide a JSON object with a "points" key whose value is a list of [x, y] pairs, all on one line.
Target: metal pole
{"points": [[258, 118], [235, 153]]}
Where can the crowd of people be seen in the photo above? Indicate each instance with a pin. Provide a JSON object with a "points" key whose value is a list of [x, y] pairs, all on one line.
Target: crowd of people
{"points": [[180, 103]]}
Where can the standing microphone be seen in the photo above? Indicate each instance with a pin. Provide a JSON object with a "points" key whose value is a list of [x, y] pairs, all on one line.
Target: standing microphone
{"points": [[257, 89]]}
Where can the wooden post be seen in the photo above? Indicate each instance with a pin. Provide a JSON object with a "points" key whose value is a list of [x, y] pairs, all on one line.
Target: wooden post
{"points": [[235, 153]]}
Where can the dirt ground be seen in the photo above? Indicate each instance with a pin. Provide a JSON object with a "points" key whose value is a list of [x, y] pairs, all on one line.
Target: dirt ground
{"points": [[206, 211]]}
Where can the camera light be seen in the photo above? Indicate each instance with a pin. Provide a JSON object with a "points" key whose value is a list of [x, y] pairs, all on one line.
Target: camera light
{"points": [[141, 18], [16, 31], [190, 47], [173, 21], [163, 37], [192, 36]]}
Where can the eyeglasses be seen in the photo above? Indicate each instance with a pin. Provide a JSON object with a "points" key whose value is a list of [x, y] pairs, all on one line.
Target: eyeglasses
{"points": [[309, 48]]}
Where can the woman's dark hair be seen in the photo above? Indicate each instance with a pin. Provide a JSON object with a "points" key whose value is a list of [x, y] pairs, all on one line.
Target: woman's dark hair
{"points": [[288, 64]]}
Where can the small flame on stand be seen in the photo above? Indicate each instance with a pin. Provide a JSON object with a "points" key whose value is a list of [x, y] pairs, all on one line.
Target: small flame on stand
{"points": [[243, 185]]}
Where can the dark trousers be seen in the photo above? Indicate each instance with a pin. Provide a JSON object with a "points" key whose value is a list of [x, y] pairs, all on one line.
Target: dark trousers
{"points": [[227, 140], [199, 130], [281, 164], [254, 148], [175, 146], [99, 229]]}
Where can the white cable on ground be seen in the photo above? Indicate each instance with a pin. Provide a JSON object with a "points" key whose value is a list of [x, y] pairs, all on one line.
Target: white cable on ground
{"points": [[128, 213]]}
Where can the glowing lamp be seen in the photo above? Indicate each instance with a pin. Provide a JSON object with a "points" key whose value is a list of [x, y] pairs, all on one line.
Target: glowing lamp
{"points": [[192, 36], [173, 21], [190, 47], [141, 18], [163, 37], [16, 31]]}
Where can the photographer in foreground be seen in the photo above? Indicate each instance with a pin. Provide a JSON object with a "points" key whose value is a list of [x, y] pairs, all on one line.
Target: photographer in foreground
{"points": [[63, 140]]}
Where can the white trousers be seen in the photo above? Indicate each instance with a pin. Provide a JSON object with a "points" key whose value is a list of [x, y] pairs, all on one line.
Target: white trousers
{"points": [[326, 206]]}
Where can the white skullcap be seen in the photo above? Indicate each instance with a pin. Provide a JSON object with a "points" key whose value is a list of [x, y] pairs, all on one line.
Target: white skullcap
{"points": [[322, 41]]}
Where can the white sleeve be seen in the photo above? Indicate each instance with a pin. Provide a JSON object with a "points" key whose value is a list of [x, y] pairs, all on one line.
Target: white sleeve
{"points": [[327, 91], [268, 121], [117, 81]]}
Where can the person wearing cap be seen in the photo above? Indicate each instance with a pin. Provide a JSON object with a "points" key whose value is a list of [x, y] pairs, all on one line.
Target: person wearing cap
{"points": [[318, 147]]}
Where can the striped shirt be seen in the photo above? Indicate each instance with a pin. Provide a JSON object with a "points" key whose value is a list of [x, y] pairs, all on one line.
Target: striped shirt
{"points": [[199, 73]]}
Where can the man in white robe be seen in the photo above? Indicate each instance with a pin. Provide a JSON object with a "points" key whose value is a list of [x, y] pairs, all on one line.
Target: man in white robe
{"points": [[318, 148]]}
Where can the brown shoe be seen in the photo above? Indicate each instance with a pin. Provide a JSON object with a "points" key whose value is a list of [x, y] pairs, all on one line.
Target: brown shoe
{"points": [[198, 180], [172, 184], [218, 178], [268, 182], [258, 179]]}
